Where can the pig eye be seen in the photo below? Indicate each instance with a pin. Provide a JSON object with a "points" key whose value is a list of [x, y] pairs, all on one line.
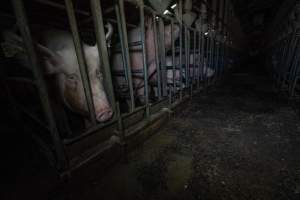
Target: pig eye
{"points": [[72, 77]]}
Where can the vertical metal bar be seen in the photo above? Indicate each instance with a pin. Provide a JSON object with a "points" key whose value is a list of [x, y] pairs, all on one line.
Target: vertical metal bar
{"points": [[194, 55], [102, 49], [217, 60], [202, 56], [162, 55], [81, 60], [199, 59], [293, 73], [158, 72], [207, 49], [221, 29], [145, 69], [180, 46], [121, 20], [38, 75], [186, 54], [173, 57], [212, 52], [120, 122]]}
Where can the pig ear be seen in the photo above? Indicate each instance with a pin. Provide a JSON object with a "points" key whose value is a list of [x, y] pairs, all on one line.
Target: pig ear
{"points": [[52, 60], [13, 45], [109, 32]]}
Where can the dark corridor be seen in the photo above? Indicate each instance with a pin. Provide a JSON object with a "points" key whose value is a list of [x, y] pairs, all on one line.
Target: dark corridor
{"points": [[238, 141], [184, 99]]}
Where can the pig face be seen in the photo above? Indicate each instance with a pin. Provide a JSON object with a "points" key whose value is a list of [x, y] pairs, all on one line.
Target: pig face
{"points": [[59, 59], [63, 63]]}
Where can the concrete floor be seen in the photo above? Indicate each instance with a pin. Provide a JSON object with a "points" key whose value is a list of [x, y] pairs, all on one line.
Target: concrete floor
{"points": [[238, 141]]}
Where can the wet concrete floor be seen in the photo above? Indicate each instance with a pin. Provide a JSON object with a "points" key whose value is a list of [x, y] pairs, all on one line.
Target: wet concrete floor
{"points": [[238, 141]]}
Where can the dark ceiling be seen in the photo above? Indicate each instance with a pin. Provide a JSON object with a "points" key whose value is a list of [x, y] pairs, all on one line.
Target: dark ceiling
{"points": [[256, 15]]}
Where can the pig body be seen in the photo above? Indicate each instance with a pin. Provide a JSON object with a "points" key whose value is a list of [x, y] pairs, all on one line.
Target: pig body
{"points": [[136, 58], [58, 57], [205, 72]]}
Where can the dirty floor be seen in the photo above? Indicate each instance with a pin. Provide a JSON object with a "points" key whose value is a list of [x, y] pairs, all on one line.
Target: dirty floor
{"points": [[238, 141]]}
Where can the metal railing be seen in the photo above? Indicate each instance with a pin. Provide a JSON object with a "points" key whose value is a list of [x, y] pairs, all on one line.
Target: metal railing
{"points": [[283, 53], [206, 50]]}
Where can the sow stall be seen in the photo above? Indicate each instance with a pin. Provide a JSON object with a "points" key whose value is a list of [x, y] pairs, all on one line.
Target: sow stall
{"points": [[69, 140], [283, 49]]}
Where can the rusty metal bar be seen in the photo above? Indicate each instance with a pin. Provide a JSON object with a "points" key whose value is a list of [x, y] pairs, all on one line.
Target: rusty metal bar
{"points": [[22, 23]]}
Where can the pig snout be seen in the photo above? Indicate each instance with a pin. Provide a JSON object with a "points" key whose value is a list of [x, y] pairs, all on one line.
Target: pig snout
{"points": [[104, 114]]}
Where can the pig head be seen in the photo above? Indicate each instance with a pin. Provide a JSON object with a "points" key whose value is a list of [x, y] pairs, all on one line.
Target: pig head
{"points": [[58, 57]]}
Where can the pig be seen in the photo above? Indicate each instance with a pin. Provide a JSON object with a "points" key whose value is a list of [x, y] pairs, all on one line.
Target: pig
{"points": [[205, 72], [136, 59], [136, 52], [58, 58]]}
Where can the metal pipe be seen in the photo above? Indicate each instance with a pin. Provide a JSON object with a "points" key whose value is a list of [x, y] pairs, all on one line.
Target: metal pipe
{"points": [[186, 56], [61, 6], [125, 49], [81, 60], [180, 46], [202, 56], [158, 72], [194, 56], [161, 28], [173, 57], [102, 50], [142, 24], [22, 23], [199, 59], [207, 49]]}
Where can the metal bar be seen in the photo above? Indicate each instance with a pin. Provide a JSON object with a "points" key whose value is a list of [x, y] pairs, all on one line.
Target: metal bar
{"points": [[194, 56], [142, 24], [120, 122], [199, 59], [180, 46], [186, 57], [173, 58], [102, 49], [207, 58], [202, 56], [61, 6], [38, 75], [161, 28], [158, 72], [81, 60], [120, 12]]}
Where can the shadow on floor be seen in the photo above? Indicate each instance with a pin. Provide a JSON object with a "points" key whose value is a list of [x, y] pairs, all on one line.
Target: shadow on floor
{"points": [[237, 141]]}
